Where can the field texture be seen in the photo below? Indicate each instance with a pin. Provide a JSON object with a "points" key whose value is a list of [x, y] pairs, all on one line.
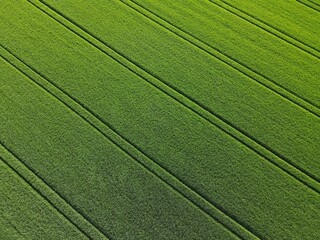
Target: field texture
{"points": [[145, 119]]}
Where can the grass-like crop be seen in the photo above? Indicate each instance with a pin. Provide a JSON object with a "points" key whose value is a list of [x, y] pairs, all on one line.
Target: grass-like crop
{"points": [[264, 52], [99, 180], [25, 214], [132, 122], [250, 107], [290, 17]]}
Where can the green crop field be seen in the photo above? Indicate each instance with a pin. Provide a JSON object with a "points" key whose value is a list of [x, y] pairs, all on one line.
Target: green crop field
{"points": [[146, 119]]}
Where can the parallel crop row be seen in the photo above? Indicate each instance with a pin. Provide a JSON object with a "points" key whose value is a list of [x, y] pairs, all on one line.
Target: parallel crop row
{"points": [[126, 120], [255, 110], [158, 124], [105, 185]]}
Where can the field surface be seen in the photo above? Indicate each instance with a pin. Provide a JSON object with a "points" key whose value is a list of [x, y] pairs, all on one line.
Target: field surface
{"points": [[147, 119]]}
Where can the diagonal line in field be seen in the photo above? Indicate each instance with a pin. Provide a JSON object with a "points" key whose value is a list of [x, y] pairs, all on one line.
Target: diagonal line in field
{"points": [[267, 27], [239, 131], [314, 6], [315, 3], [59, 203], [134, 152], [242, 68], [225, 126], [104, 51]]}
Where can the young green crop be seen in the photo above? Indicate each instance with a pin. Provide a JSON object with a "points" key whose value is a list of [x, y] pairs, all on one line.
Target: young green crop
{"points": [[289, 17], [24, 214], [270, 119], [258, 49], [109, 186]]}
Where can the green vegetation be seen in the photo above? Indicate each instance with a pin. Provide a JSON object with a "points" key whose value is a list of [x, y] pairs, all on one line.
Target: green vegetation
{"points": [[25, 214], [114, 192], [158, 120], [290, 17], [256, 110], [274, 57]]}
